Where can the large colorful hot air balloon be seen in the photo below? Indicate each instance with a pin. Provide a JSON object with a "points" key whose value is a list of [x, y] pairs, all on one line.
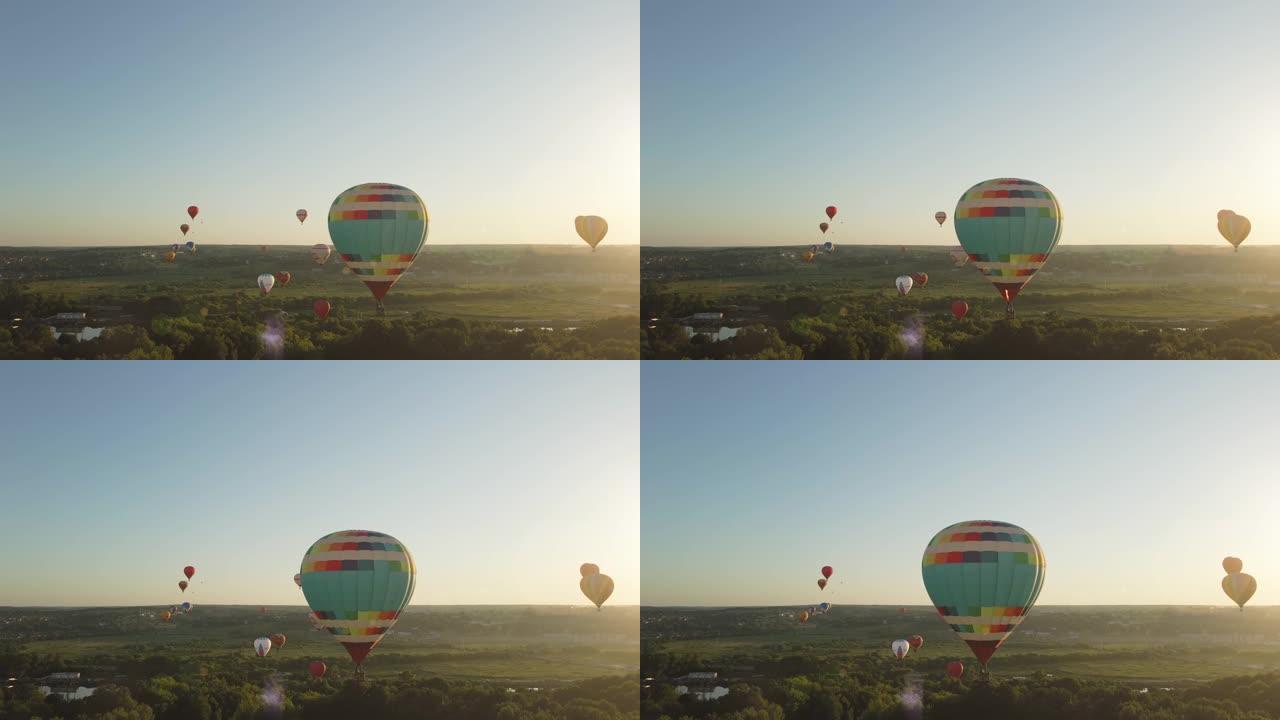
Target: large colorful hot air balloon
{"points": [[262, 646], [378, 229], [1008, 227], [940, 216], [983, 577], [589, 569], [192, 211], [591, 228], [266, 281], [188, 571], [904, 283], [357, 582], [302, 216], [320, 253], [1239, 587], [1232, 564], [831, 212], [827, 571], [597, 588], [900, 648], [1235, 228]]}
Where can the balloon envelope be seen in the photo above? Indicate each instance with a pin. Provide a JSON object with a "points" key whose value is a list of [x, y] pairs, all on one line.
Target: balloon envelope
{"points": [[317, 668], [1232, 564], [266, 281], [357, 582], [900, 648], [803, 616], [321, 308], [920, 279], [297, 579], [904, 283], [955, 669], [1239, 587], [170, 256], [278, 640], [182, 585], [378, 229], [959, 308], [940, 216], [915, 641], [823, 227], [1008, 226], [301, 215], [320, 253], [589, 569], [188, 571], [822, 583], [1235, 228], [262, 646], [983, 577], [827, 571], [184, 228], [192, 211], [597, 588], [591, 228], [831, 212]]}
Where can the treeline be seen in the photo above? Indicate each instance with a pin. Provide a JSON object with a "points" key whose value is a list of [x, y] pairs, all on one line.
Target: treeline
{"points": [[801, 327], [167, 328]]}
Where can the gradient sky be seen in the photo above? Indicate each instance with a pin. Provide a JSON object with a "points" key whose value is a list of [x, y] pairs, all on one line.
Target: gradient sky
{"points": [[1136, 478], [508, 118], [502, 478], [1145, 118]]}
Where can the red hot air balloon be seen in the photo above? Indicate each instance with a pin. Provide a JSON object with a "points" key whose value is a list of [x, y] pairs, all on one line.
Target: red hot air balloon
{"points": [[822, 583], [317, 669], [959, 308], [188, 571], [823, 227], [184, 228], [955, 669], [322, 308], [182, 585], [283, 277], [192, 211], [827, 571], [278, 640], [831, 212], [920, 279], [915, 641]]}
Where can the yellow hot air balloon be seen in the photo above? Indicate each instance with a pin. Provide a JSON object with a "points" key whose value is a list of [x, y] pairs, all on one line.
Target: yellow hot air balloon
{"points": [[597, 587], [589, 569], [803, 616], [1235, 228], [591, 228], [170, 257], [1239, 587], [1232, 564]]}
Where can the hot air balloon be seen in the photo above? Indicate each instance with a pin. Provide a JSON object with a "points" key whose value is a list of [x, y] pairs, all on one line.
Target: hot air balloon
{"points": [[1008, 227], [191, 246], [831, 212], [940, 216], [915, 641], [822, 583], [1232, 564], [803, 616], [959, 258], [813, 249], [302, 216], [591, 228], [317, 669], [807, 257], [188, 571], [175, 247], [192, 211], [828, 247], [266, 281], [320, 253], [186, 607], [378, 229], [283, 277], [983, 577], [955, 669], [166, 616], [184, 228], [959, 308], [1235, 228], [823, 227], [170, 256], [920, 279], [824, 607], [827, 571], [262, 646], [589, 569], [346, 270], [357, 582], [182, 585], [278, 640], [904, 283], [900, 648], [597, 587], [297, 579], [1239, 587], [321, 308]]}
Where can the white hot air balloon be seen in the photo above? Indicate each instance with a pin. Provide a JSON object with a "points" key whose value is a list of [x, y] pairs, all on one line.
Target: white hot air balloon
{"points": [[266, 281], [900, 648], [591, 228], [904, 284], [320, 253], [262, 646]]}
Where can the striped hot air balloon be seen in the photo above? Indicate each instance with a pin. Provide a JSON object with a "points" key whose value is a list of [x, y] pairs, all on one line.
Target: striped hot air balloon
{"points": [[357, 582], [1008, 227], [983, 577], [378, 229]]}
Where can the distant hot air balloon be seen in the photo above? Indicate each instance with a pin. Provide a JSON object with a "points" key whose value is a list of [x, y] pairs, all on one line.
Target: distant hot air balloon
{"points": [[803, 616], [1235, 228], [191, 246], [822, 583], [321, 308], [170, 257], [831, 212], [824, 607], [182, 585], [983, 577], [1008, 227], [915, 641], [262, 646], [278, 640], [175, 247], [301, 215], [188, 571], [920, 279], [378, 229], [589, 569], [283, 277], [184, 228], [955, 669], [1232, 564], [807, 256], [266, 281], [597, 588], [297, 579], [828, 247], [959, 308], [1239, 587], [814, 249], [827, 571], [904, 283], [357, 582], [317, 669], [959, 258], [823, 227], [320, 253], [192, 211], [940, 216], [591, 228], [166, 616], [900, 648], [186, 607]]}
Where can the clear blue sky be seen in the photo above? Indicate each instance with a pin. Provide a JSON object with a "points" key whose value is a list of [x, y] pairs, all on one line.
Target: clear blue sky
{"points": [[1137, 478], [502, 478], [508, 118], [1145, 118]]}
